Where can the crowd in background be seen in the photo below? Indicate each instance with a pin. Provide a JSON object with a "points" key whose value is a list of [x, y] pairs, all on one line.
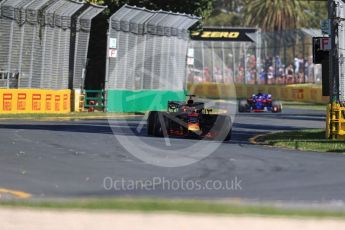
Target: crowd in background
{"points": [[272, 71], [299, 71]]}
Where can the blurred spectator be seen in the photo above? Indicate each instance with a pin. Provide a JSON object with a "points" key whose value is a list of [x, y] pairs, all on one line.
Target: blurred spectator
{"points": [[207, 74], [273, 71], [262, 77], [277, 64], [281, 75], [218, 75], [228, 75], [289, 75], [297, 63], [310, 73], [317, 73], [240, 76], [270, 75], [267, 64]]}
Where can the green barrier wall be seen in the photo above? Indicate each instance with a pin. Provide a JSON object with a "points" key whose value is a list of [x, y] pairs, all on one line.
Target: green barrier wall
{"points": [[141, 101]]}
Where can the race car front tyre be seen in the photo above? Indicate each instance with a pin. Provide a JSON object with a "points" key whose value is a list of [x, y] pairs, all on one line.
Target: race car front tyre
{"points": [[243, 106], [227, 128], [276, 107], [223, 126]]}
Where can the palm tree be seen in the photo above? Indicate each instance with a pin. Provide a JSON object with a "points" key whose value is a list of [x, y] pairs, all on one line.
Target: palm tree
{"points": [[276, 16]]}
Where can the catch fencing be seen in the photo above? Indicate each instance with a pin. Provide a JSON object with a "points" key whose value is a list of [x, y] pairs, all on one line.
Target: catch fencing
{"points": [[224, 55], [252, 56], [44, 42], [147, 53]]}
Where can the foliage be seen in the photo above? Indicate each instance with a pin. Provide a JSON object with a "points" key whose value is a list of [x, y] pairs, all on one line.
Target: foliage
{"points": [[98, 2], [275, 15], [316, 11], [268, 14], [224, 19], [201, 8]]}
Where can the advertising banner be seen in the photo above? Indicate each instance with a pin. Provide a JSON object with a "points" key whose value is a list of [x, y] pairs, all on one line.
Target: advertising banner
{"points": [[34, 101]]}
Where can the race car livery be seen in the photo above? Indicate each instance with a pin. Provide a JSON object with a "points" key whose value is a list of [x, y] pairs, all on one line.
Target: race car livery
{"points": [[259, 103], [189, 119]]}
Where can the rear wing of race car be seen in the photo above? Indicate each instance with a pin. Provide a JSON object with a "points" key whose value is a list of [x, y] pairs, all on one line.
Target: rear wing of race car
{"points": [[174, 106], [181, 106]]}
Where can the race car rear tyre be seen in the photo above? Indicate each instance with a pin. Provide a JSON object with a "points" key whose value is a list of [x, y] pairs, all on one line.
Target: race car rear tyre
{"points": [[228, 128], [150, 122], [276, 107], [158, 126], [228, 136], [243, 106]]}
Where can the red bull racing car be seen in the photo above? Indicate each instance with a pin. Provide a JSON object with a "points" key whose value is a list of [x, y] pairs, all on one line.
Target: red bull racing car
{"points": [[259, 103], [189, 119]]}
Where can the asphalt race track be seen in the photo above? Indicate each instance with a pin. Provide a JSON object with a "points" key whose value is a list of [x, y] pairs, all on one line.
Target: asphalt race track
{"points": [[69, 159]]}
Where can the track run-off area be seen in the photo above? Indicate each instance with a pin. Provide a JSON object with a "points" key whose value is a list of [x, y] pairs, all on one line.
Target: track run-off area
{"points": [[82, 158]]}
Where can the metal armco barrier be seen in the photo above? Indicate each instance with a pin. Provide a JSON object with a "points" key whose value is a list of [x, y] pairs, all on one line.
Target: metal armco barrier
{"points": [[304, 93], [45, 42], [34, 101]]}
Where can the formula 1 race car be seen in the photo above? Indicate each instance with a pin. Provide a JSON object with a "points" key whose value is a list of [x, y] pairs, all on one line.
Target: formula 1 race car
{"points": [[259, 103], [189, 119]]}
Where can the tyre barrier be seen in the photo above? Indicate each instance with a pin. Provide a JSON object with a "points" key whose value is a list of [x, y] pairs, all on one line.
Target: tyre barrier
{"points": [[16, 101]]}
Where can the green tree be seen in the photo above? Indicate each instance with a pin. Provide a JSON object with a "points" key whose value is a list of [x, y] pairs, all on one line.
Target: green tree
{"points": [[201, 8], [225, 13], [275, 15], [228, 5], [316, 11], [288, 14], [224, 19], [98, 2]]}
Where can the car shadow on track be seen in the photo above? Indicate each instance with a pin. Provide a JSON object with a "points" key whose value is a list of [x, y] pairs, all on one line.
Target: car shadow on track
{"points": [[240, 134], [123, 129]]}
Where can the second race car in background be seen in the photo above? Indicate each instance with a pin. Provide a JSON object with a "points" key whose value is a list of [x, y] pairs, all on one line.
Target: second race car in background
{"points": [[259, 103]]}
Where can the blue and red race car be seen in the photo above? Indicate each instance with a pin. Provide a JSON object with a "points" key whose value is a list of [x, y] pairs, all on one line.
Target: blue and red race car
{"points": [[259, 103]]}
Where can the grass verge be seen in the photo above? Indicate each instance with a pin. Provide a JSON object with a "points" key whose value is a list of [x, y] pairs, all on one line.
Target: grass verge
{"points": [[307, 140], [184, 206]]}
